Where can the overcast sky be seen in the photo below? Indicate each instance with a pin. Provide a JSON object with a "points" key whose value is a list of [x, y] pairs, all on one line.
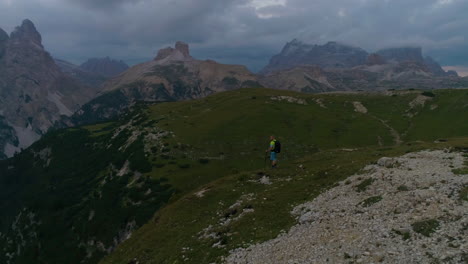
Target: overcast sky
{"points": [[240, 31]]}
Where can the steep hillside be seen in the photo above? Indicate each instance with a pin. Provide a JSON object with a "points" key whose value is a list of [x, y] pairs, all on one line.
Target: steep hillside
{"points": [[247, 207], [87, 189], [172, 76], [34, 93]]}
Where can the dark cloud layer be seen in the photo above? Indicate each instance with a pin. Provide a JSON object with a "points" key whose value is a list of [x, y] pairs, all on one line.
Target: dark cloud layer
{"points": [[240, 31]]}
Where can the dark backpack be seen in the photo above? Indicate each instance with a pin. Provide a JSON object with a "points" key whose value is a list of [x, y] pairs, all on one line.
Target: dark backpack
{"points": [[277, 148]]}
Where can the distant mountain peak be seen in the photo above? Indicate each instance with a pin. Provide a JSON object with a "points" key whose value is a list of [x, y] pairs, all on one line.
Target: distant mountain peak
{"points": [[27, 32], [181, 52], [104, 66], [3, 39], [330, 55], [35, 93], [3, 35]]}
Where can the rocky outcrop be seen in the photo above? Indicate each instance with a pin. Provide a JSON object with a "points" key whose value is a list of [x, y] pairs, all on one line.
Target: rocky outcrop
{"points": [[181, 52], [330, 55], [104, 66], [401, 210], [34, 93], [173, 75]]}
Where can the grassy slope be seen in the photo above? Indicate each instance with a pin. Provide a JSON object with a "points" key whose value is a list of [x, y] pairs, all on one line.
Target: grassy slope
{"points": [[218, 143], [235, 125], [72, 181]]}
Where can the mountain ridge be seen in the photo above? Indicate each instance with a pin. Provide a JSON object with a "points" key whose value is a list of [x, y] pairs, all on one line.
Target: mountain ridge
{"points": [[172, 75]]}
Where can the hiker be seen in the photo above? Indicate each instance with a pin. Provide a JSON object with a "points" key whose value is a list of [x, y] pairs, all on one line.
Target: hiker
{"points": [[275, 147]]}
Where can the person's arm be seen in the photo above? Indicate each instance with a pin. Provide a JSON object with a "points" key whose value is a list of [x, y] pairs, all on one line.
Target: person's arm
{"points": [[272, 146]]}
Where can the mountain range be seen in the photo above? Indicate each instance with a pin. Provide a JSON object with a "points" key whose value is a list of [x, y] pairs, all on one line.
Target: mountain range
{"points": [[164, 162], [339, 67], [102, 89]]}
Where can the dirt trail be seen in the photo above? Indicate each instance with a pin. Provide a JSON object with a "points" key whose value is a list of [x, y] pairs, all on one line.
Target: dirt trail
{"points": [[396, 136]]}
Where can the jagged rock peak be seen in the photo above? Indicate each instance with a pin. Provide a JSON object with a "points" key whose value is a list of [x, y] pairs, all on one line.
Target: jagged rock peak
{"points": [[181, 52], [183, 47], [3, 35], [3, 39], [27, 31]]}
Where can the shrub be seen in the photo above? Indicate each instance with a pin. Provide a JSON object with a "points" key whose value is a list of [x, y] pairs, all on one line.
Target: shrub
{"points": [[428, 94], [406, 235], [461, 171], [464, 193], [426, 227], [402, 188], [184, 166], [204, 161], [370, 201], [364, 184], [159, 165]]}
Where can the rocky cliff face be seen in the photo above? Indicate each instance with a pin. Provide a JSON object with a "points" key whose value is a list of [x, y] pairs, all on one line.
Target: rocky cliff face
{"points": [[336, 67], [413, 54], [330, 55], [104, 66], [402, 54], [34, 93], [173, 75]]}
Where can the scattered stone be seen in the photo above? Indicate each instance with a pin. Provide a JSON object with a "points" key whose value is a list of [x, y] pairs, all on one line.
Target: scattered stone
{"points": [[359, 107], [201, 193], [265, 180], [387, 162], [332, 229], [289, 99]]}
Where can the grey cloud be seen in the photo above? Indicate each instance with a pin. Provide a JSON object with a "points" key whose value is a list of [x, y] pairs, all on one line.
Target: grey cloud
{"points": [[102, 4], [233, 31]]}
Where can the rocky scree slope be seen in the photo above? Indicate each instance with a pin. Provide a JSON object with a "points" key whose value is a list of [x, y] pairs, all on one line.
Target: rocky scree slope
{"points": [[410, 209], [34, 93]]}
